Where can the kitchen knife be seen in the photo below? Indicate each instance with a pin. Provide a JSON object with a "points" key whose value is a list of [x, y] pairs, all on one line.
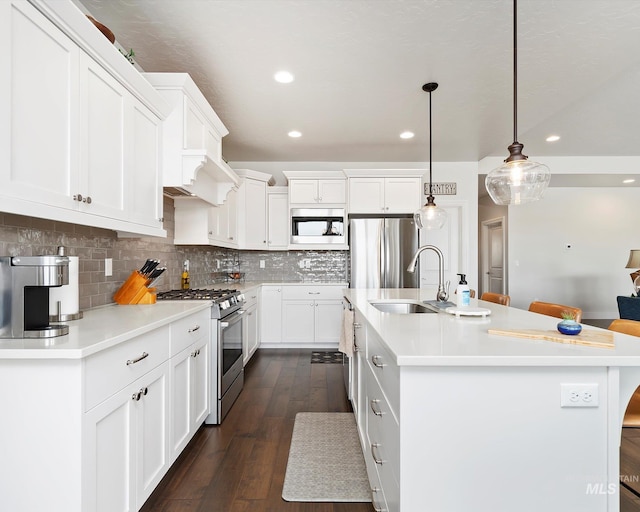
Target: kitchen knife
{"points": [[155, 275], [144, 268], [152, 267]]}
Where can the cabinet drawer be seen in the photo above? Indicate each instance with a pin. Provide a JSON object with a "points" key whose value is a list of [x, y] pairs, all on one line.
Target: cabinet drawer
{"points": [[383, 434], [111, 370], [384, 367], [190, 329], [296, 292], [250, 297]]}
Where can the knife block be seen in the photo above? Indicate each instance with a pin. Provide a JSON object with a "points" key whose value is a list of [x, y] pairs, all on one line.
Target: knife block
{"points": [[134, 291]]}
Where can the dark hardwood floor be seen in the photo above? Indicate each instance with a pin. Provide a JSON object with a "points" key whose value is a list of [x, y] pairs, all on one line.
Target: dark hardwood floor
{"points": [[240, 465]]}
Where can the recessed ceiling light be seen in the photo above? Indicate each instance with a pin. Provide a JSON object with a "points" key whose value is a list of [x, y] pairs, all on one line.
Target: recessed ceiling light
{"points": [[294, 134], [630, 180], [553, 138], [407, 135], [284, 77]]}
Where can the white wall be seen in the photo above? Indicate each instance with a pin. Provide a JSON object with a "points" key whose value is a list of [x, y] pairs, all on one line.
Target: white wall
{"points": [[601, 226]]}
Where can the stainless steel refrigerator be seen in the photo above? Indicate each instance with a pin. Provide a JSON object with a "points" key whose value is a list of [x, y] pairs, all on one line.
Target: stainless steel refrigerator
{"points": [[381, 249]]}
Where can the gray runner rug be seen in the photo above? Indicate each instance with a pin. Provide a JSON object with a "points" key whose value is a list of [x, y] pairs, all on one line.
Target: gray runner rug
{"points": [[325, 460]]}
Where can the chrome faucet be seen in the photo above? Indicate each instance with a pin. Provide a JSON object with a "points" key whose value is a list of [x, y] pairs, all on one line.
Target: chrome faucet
{"points": [[442, 295]]}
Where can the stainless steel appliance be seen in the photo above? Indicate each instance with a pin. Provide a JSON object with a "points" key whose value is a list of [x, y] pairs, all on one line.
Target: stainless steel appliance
{"points": [[318, 226], [24, 285], [381, 250], [227, 376]]}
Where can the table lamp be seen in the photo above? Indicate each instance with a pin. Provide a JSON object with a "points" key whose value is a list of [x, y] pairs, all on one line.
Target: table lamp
{"points": [[634, 262]]}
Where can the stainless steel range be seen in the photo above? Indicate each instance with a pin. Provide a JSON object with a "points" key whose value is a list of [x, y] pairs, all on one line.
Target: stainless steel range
{"points": [[227, 376]]}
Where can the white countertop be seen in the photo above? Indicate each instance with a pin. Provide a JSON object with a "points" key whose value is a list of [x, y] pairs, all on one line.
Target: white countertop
{"points": [[441, 339], [99, 329]]}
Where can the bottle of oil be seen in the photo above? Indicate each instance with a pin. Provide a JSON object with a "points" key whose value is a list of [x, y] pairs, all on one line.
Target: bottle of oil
{"points": [[185, 275]]}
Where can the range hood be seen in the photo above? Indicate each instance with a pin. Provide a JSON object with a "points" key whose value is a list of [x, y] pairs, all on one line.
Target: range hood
{"points": [[192, 142]]}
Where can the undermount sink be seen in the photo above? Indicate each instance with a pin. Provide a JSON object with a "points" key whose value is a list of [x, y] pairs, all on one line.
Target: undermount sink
{"points": [[401, 307]]}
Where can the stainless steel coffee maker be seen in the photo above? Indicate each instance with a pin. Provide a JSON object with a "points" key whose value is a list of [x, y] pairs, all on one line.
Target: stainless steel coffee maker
{"points": [[24, 289]]}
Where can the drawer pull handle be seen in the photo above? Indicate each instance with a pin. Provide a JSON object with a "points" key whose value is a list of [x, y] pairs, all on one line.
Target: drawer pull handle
{"points": [[144, 355], [376, 361], [313, 293], [194, 329], [376, 459], [376, 410], [356, 325], [376, 490]]}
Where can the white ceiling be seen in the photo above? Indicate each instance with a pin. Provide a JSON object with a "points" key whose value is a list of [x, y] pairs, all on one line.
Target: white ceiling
{"points": [[360, 66]]}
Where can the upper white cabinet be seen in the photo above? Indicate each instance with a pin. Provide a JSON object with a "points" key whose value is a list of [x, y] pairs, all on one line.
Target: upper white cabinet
{"points": [[252, 209], [311, 191], [199, 223], [384, 194], [277, 218], [80, 128], [192, 142]]}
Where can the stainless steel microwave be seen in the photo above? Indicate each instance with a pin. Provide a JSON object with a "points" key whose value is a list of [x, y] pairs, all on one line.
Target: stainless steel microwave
{"points": [[318, 226]]}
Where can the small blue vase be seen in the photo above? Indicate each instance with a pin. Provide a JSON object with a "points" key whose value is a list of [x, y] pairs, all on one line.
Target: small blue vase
{"points": [[569, 327]]}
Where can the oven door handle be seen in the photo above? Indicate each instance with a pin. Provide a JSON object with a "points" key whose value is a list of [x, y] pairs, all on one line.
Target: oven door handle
{"points": [[235, 317]]}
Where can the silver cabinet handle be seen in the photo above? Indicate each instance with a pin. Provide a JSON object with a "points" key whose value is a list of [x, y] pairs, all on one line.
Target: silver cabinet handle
{"points": [[194, 329], [376, 459], [137, 359], [195, 353], [77, 197], [224, 324], [376, 361], [356, 325], [377, 411], [136, 396], [313, 293], [376, 490], [88, 200]]}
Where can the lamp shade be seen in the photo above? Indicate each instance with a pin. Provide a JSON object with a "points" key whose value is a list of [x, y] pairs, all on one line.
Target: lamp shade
{"points": [[430, 216], [517, 182], [634, 259]]}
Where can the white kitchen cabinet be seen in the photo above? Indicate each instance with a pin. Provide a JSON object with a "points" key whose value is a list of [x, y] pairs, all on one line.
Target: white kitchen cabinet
{"points": [[227, 221], [270, 314], [384, 195], [311, 314], [278, 219], [253, 214], [317, 191], [250, 325], [127, 442], [74, 144], [190, 378], [199, 223]]}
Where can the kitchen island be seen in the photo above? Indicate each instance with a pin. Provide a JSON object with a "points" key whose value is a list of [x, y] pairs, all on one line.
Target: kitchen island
{"points": [[454, 419]]}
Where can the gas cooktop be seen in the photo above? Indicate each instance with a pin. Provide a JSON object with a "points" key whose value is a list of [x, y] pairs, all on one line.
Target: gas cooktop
{"points": [[217, 295]]}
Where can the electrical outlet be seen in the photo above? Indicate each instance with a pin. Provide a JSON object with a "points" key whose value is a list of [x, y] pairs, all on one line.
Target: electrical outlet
{"points": [[307, 263], [261, 263], [108, 267], [579, 395]]}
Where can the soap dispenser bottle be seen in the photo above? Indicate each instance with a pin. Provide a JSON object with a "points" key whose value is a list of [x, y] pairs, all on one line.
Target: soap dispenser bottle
{"points": [[462, 291]]}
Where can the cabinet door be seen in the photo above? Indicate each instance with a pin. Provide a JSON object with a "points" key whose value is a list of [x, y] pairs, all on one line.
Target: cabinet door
{"points": [[278, 219], [328, 321], [38, 108], [271, 314], [152, 440], [109, 481], [303, 191], [332, 191], [298, 321], [181, 369], [104, 102], [232, 217], [366, 195], [251, 333], [255, 214], [402, 195], [201, 383], [214, 219], [144, 195]]}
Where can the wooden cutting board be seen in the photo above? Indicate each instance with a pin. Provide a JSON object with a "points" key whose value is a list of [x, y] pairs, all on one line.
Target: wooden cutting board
{"points": [[601, 339]]}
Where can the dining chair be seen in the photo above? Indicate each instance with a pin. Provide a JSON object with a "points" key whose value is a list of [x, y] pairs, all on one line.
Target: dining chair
{"points": [[556, 310], [632, 415], [498, 298]]}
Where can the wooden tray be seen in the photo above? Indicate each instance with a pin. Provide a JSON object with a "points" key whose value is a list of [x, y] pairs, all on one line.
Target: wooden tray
{"points": [[601, 339]]}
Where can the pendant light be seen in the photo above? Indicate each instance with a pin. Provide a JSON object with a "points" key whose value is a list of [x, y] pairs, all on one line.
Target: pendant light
{"points": [[430, 216], [517, 181]]}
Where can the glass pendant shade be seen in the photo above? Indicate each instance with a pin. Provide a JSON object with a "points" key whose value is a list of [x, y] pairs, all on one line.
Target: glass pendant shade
{"points": [[430, 216], [517, 182]]}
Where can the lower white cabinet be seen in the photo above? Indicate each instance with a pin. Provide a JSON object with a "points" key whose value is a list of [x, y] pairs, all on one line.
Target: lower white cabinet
{"points": [[127, 443], [250, 325], [312, 314], [271, 314]]}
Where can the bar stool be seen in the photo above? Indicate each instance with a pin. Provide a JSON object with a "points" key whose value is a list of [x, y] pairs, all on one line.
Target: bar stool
{"points": [[498, 298], [556, 310], [632, 416]]}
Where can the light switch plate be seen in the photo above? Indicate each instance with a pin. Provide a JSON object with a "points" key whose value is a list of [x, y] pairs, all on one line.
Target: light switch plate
{"points": [[108, 267]]}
